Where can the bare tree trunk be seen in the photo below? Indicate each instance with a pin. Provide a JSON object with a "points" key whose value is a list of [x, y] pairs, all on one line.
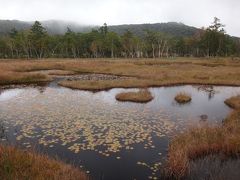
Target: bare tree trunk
{"points": [[36, 53], [112, 53], [153, 50], [167, 52], [73, 52], [163, 48], [159, 48], [41, 53], [137, 51]]}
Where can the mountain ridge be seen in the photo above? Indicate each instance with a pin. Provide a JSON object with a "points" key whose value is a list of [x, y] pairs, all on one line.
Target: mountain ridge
{"points": [[60, 27]]}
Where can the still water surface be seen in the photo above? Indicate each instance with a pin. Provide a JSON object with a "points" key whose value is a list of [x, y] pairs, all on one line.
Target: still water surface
{"points": [[107, 138]]}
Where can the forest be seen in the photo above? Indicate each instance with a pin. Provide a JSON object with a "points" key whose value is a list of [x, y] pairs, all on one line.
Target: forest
{"points": [[36, 42]]}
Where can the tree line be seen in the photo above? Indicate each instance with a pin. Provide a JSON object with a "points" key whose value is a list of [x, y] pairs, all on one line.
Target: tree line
{"points": [[37, 43]]}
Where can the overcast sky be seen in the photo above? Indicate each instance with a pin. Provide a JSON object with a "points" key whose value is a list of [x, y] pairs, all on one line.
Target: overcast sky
{"points": [[191, 12]]}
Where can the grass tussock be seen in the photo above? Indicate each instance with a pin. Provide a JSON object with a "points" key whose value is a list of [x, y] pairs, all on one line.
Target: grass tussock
{"points": [[233, 102], [142, 96], [183, 98], [157, 72], [18, 164], [203, 141]]}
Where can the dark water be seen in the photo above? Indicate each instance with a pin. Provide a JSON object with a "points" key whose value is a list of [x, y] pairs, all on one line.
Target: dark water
{"points": [[108, 139]]}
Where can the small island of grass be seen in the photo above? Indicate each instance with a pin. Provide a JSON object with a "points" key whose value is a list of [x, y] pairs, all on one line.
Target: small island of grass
{"points": [[142, 96], [183, 98], [233, 102]]}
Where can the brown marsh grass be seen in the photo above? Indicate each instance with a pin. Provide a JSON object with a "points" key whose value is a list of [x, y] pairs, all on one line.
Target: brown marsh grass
{"points": [[9, 77], [214, 167], [144, 72], [233, 102], [99, 85], [183, 98], [142, 96], [200, 142], [19, 164]]}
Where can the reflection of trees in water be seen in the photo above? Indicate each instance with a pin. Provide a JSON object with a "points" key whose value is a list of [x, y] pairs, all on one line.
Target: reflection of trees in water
{"points": [[41, 89], [2, 130], [208, 89], [203, 118]]}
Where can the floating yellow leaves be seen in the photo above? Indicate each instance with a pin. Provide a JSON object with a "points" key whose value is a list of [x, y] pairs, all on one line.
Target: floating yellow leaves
{"points": [[154, 168], [19, 137], [81, 121]]}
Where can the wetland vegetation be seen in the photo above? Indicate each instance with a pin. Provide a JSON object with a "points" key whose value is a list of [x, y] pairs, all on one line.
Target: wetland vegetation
{"points": [[233, 102], [19, 164], [135, 73], [201, 142], [142, 96], [183, 98]]}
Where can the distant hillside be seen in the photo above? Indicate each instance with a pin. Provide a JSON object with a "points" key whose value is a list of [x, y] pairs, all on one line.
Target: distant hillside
{"points": [[60, 27], [52, 26], [172, 28], [7, 25]]}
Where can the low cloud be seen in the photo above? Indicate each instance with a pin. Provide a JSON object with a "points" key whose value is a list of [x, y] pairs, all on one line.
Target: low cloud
{"points": [[191, 12]]}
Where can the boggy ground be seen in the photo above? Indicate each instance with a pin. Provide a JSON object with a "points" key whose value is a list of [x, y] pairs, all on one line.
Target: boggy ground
{"points": [[216, 147], [141, 73], [19, 164]]}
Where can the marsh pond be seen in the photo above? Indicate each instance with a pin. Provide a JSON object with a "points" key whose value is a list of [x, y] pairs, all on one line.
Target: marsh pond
{"points": [[106, 138]]}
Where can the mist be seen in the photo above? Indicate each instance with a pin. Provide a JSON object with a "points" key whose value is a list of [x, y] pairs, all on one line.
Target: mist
{"points": [[115, 12]]}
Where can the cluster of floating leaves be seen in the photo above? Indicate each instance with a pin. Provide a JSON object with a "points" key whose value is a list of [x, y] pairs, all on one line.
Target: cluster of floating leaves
{"points": [[155, 168], [82, 121]]}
